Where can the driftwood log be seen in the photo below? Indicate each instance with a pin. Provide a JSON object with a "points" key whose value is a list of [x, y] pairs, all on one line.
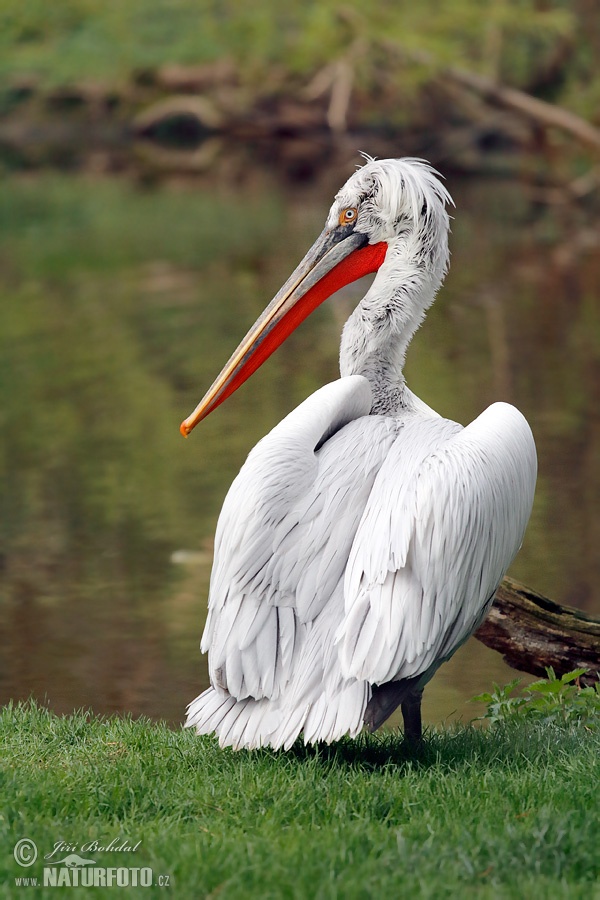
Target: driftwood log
{"points": [[548, 115], [532, 632], [539, 111]]}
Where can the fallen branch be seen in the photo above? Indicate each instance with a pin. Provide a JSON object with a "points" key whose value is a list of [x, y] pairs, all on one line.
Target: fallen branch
{"points": [[198, 109], [532, 632], [546, 114], [541, 112]]}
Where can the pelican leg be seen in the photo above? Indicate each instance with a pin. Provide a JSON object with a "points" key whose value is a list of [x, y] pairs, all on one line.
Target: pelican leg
{"points": [[411, 713], [387, 697]]}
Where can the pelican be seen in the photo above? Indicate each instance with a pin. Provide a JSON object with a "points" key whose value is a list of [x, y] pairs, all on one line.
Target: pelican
{"points": [[365, 536]]}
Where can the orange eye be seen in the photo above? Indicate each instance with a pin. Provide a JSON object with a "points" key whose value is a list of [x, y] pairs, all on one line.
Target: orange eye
{"points": [[348, 216]]}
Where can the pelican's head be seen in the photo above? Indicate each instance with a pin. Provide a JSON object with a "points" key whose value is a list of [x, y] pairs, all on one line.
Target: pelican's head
{"points": [[389, 214], [396, 201]]}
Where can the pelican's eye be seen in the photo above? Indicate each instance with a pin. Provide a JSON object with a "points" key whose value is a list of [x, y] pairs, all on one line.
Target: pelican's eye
{"points": [[348, 216]]}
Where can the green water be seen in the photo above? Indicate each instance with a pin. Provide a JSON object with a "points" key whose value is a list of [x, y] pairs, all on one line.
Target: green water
{"points": [[119, 303]]}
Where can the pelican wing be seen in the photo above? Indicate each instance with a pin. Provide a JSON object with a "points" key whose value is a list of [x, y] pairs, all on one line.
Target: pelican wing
{"points": [[445, 518], [283, 540]]}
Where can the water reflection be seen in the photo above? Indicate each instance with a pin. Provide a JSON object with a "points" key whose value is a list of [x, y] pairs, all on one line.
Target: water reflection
{"points": [[121, 303]]}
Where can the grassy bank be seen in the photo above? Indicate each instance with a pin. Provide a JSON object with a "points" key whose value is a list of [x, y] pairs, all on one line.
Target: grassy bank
{"points": [[507, 812]]}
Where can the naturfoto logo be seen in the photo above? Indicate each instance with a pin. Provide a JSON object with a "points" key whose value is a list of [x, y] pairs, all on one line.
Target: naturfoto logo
{"points": [[65, 866]]}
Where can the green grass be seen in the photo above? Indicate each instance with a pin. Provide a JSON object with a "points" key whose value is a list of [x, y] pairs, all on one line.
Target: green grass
{"points": [[506, 812]]}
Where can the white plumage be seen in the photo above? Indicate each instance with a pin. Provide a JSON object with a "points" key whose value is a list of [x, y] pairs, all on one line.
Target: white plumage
{"points": [[364, 538]]}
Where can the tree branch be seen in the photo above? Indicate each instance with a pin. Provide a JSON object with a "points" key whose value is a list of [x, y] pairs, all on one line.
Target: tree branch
{"points": [[547, 114], [532, 632]]}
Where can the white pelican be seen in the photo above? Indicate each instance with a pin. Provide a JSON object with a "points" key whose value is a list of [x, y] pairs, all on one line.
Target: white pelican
{"points": [[364, 538]]}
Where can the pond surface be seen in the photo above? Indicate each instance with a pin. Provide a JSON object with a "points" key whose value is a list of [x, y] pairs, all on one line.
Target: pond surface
{"points": [[121, 302]]}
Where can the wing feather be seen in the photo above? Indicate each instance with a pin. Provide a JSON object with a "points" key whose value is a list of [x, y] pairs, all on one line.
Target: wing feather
{"points": [[445, 518], [285, 534]]}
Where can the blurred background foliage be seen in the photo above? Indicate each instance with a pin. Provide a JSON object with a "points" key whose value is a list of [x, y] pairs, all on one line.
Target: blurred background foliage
{"points": [[548, 46], [124, 288]]}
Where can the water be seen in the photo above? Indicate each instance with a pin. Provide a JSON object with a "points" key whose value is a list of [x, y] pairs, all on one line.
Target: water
{"points": [[121, 302]]}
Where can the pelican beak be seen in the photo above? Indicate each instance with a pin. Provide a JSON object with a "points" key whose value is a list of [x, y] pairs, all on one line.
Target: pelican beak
{"points": [[338, 257]]}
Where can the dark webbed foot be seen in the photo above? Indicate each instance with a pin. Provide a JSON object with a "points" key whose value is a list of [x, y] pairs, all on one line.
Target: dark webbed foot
{"points": [[385, 698]]}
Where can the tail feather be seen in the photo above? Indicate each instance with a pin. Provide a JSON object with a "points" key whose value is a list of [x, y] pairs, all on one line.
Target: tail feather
{"points": [[315, 699], [206, 712], [249, 724], [334, 715], [245, 723], [234, 723], [290, 726]]}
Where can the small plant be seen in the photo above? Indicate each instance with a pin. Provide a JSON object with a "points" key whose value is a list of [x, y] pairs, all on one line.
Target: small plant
{"points": [[562, 701]]}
